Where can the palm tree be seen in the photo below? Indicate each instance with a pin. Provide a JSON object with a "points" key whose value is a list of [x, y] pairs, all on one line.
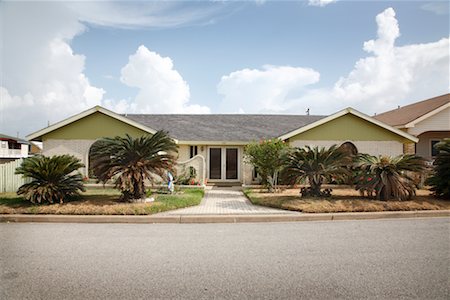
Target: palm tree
{"points": [[388, 177], [317, 166], [52, 178], [440, 180], [131, 161]]}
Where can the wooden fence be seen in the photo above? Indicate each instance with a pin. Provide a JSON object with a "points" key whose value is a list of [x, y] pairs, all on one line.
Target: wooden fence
{"points": [[10, 182]]}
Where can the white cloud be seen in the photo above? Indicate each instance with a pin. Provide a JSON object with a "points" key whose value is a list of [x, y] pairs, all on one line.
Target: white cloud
{"points": [[391, 75], [439, 8], [161, 87], [43, 79], [320, 3], [270, 89], [145, 13]]}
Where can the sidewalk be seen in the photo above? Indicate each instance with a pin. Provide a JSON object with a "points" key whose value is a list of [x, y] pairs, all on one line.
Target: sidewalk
{"points": [[227, 201]]}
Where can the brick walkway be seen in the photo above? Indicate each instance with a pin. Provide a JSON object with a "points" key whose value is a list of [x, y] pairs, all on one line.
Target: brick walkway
{"points": [[227, 201]]}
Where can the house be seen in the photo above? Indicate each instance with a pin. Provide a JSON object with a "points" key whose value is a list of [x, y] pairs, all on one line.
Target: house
{"points": [[214, 144], [12, 148], [428, 120]]}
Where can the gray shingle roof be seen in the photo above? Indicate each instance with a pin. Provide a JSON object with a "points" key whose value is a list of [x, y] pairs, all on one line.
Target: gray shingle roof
{"points": [[224, 127]]}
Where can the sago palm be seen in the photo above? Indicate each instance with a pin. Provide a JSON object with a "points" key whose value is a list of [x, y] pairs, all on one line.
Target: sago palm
{"points": [[130, 162], [53, 179], [440, 180], [317, 165], [387, 177]]}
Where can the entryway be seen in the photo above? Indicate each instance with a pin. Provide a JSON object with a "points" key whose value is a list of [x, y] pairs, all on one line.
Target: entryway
{"points": [[224, 164]]}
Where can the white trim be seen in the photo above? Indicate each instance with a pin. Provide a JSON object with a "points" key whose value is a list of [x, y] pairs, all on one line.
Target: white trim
{"points": [[343, 112], [427, 115], [86, 113], [218, 143]]}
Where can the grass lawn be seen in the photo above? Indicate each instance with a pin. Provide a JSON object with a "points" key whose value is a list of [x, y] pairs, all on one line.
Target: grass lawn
{"points": [[345, 200], [102, 202]]}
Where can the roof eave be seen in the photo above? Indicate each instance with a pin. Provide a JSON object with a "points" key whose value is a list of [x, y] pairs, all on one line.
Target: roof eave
{"points": [[427, 115], [38, 134]]}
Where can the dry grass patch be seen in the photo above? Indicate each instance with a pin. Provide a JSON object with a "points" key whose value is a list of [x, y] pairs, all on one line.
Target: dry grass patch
{"points": [[101, 202], [345, 200]]}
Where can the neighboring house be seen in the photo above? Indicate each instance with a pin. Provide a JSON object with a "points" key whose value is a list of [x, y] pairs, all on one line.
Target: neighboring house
{"points": [[12, 148], [428, 120], [214, 144]]}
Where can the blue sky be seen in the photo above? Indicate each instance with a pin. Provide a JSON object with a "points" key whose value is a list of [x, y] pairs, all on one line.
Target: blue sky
{"points": [[218, 57]]}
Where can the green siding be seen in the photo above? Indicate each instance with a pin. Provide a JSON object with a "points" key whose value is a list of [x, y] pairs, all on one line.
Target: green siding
{"points": [[349, 127], [94, 126]]}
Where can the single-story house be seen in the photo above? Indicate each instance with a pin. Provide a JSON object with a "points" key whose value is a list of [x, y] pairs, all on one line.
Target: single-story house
{"points": [[428, 120], [214, 144]]}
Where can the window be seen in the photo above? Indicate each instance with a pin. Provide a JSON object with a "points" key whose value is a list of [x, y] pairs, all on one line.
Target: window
{"points": [[193, 151], [434, 151], [255, 174], [4, 144]]}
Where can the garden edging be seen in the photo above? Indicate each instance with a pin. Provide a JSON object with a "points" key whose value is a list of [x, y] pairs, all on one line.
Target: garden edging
{"points": [[221, 218]]}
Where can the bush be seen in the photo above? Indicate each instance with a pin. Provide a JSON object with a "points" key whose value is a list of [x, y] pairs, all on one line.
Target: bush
{"points": [[130, 162], [266, 158], [385, 177], [52, 180], [440, 180], [316, 166]]}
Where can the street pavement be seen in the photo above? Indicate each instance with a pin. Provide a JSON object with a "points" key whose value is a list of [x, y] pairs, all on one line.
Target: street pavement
{"points": [[371, 259]]}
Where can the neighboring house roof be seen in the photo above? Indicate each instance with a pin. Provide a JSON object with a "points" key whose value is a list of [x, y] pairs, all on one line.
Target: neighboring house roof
{"points": [[343, 112], [407, 115], [225, 127], [4, 137], [38, 134]]}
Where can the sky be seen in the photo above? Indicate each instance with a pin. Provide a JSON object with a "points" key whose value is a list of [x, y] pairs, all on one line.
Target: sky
{"points": [[267, 57]]}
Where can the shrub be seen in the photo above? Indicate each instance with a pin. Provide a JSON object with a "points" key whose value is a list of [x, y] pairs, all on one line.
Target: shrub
{"points": [[52, 178], [132, 161], [440, 180], [385, 177], [266, 158], [316, 166]]}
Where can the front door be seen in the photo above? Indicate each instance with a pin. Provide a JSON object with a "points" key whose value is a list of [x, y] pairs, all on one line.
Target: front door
{"points": [[223, 163]]}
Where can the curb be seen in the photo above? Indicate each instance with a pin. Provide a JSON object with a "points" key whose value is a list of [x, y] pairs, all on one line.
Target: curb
{"points": [[190, 219]]}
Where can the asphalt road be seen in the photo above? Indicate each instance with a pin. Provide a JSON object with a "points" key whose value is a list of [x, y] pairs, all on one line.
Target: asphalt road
{"points": [[379, 259]]}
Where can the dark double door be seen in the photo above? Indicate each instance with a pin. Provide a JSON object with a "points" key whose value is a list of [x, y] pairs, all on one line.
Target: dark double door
{"points": [[223, 163]]}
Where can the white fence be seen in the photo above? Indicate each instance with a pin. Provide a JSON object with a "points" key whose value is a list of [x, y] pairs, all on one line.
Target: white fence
{"points": [[10, 182]]}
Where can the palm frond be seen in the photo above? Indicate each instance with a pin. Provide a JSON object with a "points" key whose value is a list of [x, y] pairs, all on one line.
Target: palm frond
{"points": [[52, 178], [131, 161]]}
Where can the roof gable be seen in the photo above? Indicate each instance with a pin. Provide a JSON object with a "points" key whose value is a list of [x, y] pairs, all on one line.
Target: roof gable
{"points": [[344, 112], [85, 114]]}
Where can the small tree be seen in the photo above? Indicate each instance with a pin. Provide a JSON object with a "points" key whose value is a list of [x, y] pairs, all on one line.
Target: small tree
{"points": [[387, 177], [316, 165], [266, 158], [52, 178], [440, 180], [131, 161]]}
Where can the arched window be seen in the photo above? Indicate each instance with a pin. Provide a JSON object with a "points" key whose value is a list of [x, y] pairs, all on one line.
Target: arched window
{"points": [[350, 148], [90, 173]]}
